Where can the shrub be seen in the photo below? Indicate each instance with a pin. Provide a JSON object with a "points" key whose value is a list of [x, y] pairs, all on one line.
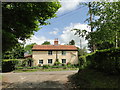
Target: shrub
{"points": [[46, 66], [57, 62], [19, 67], [9, 64], [39, 65], [107, 60]]}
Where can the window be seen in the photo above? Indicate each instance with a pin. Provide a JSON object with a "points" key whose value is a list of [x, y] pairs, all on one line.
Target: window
{"points": [[49, 52], [63, 60], [63, 52], [40, 61], [49, 61]]}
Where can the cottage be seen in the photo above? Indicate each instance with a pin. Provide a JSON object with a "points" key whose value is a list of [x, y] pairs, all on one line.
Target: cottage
{"points": [[47, 54]]}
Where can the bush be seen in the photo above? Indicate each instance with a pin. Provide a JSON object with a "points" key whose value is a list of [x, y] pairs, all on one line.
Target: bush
{"points": [[9, 64], [39, 65], [19, 67], [46, 66], [107, 60], [57, 62]]}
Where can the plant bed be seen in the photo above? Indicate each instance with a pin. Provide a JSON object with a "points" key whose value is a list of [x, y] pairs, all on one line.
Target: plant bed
{"points": [[45, 69]]}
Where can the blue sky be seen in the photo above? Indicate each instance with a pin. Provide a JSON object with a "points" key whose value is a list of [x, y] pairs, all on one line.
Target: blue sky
{"points": [[70, 15]]}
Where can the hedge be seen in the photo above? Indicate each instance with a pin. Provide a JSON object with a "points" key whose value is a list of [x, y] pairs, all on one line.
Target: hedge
{"points": [[107, 60], [9, 64]]}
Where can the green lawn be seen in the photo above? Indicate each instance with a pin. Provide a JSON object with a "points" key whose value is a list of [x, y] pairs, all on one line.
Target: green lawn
{"points": [[49, 69], [89, 78]]}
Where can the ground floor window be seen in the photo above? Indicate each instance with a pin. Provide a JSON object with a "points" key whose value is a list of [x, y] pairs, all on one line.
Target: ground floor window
{"points": [[63, 60], [49, 61], [40, 61]]}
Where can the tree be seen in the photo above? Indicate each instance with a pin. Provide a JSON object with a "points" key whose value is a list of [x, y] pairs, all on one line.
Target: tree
{"points": [[72, 42], [82, 52], [105, 25], [16, 53], [46, 43], [21, 19], [28, 48]]}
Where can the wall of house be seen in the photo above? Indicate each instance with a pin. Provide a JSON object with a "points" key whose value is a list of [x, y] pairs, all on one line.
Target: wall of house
{"points": [[71, 56]]}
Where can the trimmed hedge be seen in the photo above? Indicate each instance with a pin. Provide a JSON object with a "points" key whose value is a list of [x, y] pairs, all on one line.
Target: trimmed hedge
{"points": [[9, 64], [107, 60]]}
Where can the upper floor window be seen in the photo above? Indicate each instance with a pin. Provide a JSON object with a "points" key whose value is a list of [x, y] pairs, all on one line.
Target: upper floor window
{"points": [[63, 52], [40, 61], [49, 61], [63, 60], [49, 52]]}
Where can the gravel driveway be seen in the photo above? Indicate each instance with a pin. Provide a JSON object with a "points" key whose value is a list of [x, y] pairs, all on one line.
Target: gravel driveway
{"points": [[54, 79]]}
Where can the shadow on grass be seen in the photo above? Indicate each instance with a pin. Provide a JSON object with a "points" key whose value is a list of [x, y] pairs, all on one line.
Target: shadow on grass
{"points": [[89, 78], [36, 85]]}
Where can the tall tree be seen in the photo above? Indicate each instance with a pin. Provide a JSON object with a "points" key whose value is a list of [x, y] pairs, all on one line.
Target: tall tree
{"points": [[21, 19], [28, 48], [72, 42], [46, 43], [105, 25]]}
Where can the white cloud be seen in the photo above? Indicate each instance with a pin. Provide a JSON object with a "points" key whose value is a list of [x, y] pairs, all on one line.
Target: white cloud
{"points": [[55, 31], [68, 5], [38, 40], [68, 35]]}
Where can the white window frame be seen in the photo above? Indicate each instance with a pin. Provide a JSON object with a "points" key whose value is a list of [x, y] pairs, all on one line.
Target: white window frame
{"points": [[40, 60]]}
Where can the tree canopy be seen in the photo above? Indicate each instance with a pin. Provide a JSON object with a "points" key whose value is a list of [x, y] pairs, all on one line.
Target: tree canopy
{"points": [[72, 42], [46, 43], [21, 19], [28, 48], [104, 20]]}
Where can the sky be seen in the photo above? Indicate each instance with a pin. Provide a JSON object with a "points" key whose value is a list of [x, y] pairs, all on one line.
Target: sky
{"points": [[71, 15]]}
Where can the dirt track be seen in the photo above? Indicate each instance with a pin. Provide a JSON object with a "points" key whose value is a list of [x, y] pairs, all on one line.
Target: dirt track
{"points": [[54, 79]]}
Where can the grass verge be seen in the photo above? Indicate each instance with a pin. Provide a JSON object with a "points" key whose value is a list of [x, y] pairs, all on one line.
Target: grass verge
{"points": [[89, 78], [45, 70]]}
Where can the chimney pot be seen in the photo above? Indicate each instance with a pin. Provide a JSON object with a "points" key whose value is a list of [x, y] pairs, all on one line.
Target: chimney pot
{"points": [[56, 42]]}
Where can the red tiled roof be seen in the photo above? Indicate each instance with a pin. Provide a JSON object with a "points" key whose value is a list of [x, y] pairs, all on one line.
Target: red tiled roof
{"points": [[53, 47]]}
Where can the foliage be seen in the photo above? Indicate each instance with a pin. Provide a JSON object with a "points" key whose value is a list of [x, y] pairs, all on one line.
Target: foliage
{"points": [[82, 52], [9, 65], [57, 62], [46, 43], [16, 53], [107, 60], [45, 66], [21, 19], [107, 22], [27, 62], [72, 42], [19, 68], [82, 60], [39, 65], [105, 28], [28, 48]]}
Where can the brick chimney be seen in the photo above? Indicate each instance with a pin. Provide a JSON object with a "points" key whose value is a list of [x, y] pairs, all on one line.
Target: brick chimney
{"points": [[56, 42]]}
